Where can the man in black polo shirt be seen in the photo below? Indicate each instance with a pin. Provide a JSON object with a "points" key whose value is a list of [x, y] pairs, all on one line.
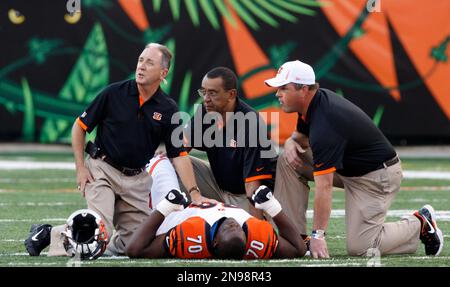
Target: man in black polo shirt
{"points": [[346, 143], [228, 130], [132, 118]]}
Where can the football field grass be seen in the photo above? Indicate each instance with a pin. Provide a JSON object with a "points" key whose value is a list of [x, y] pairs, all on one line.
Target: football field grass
{"points": [[49, 196]]}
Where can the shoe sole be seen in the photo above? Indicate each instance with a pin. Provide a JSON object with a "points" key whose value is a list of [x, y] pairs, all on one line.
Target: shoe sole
{"points": [[441, 240], [438, 231]]}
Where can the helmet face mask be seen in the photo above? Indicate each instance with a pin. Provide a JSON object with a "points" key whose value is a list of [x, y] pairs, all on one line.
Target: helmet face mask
{"points": [[85, 235]]}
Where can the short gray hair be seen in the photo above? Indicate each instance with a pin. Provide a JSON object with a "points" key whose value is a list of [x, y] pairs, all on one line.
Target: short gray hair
{"points": [[166, 54], [310, 87]]}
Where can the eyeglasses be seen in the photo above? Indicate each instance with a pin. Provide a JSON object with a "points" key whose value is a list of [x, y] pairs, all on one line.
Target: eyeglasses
{"points": [[210, 93]]}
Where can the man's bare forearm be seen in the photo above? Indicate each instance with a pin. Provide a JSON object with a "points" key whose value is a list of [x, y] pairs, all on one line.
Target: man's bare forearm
{"points": [[322, 201], [78, 140], [183, 166]]}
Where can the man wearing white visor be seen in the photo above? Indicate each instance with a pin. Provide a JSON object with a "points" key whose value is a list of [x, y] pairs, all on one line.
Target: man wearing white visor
{"points": [[346, 145]]}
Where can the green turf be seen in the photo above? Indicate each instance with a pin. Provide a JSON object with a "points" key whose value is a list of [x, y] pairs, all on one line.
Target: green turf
{"points": [[34, 196]]}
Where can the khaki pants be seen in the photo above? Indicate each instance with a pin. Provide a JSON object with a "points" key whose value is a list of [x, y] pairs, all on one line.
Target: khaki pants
{"points": [[367, 200], [122, 202], [292, 190], [210, 189]]}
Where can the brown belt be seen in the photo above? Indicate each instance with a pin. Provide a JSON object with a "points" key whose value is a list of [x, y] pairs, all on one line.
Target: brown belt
{"points": [[125, 170], [387, 163]]}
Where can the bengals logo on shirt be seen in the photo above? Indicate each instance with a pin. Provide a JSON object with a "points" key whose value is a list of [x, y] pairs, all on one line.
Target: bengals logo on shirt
{"points": [[157, 116]]}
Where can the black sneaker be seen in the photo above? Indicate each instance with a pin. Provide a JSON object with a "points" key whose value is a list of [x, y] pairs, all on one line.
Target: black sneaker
{"points": [[38, 239], [430, 234]]}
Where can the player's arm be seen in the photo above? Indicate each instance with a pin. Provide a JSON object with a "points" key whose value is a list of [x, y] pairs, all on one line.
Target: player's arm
{"points": [[144, 242], [290, 244]]}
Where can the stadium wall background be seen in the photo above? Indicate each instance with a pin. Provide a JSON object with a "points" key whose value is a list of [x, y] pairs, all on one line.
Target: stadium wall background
{"points": [[392, 61]]}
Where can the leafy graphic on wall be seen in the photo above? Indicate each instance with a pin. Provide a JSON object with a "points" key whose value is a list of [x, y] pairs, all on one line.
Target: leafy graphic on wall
{"points": [[358, 54], [87, 78]]}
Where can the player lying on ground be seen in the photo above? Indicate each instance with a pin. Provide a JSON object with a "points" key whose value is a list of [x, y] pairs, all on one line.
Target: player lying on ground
{"points": [[214, 230]]}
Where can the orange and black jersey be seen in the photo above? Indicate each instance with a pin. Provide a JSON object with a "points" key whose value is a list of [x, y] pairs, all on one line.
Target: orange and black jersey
{"points": [[342, 137], [129, 130], [192, 239], [262, 241]]}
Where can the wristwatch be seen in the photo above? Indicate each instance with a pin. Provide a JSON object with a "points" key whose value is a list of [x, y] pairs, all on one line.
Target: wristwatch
{"points": [[194, 188], [318, 234]]}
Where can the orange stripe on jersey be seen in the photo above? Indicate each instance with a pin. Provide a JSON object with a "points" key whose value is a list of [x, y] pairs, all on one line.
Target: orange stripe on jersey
{"points": [[154, 165], [262, 240], [81, 124], [141, 101], [325, 171], [257, 177], [188, 240]]}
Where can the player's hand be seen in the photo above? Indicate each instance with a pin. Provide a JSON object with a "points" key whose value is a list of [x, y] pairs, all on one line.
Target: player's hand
{"points": [[292, 151], [264, 200], [318, 248], [83, 177], [177, 197], [174, 200], [262, 195]]}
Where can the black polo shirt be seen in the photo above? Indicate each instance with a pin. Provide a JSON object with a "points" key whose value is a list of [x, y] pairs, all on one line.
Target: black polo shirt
{"points": [[234, 164], [129, 133], [342, 137]]}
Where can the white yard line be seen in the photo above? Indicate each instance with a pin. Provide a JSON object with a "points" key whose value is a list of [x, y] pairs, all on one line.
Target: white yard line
{"points": [[37, 180], [21, 165], [4, 204], [33, 220], [337, 237], [426, 174], [442, 215], [12, 164]]}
